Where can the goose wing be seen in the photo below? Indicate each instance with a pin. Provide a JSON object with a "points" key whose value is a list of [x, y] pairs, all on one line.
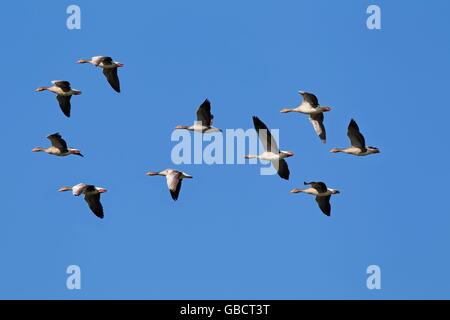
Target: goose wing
{"points": [[265, 136], [92, 197], [174, 183], [282, 168], [63, 85], [319, 128], [58, 142], [356, 138], [64, 104], [101, 59], [324, 204], [319, 186], [204, 114], [112, 76], [310, 98]]}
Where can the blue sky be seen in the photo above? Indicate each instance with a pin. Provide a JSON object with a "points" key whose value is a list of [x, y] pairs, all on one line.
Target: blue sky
{"points": [[233, 233]]}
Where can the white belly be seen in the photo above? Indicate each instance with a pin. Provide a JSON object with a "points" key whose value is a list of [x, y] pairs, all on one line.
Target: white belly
{"points": [[269, 156], [354, 151], [198, 128], [306, 108]]}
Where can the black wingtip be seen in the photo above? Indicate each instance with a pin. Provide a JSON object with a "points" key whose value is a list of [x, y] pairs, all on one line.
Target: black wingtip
{"points": [[256, 121], [56, 134], [284, 176], [99, 214], [174, 195]]}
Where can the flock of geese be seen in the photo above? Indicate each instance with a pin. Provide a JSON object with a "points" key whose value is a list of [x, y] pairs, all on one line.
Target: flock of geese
{"points": [[309, 106]]}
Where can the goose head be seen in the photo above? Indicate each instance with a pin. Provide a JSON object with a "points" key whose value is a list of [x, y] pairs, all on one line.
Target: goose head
{"points": [[324, 109], [101, 190], [286, 154], [76, 152]]}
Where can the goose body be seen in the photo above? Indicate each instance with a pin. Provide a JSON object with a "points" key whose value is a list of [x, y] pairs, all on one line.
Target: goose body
{"points": [[204, 120], [91, 196], [64, 94], [58, 148], [358, 143], [310, 106], [321, 192], [174, 179], [110, 69], [271, 153]]}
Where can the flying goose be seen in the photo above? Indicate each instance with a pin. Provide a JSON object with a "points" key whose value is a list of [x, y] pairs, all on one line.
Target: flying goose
{"points": [[204, 120], [272, 153], [310, 105], [59, 147], [91, 196], [322, 193], [174, 179], [358, 143], [63, 94], [109, 69]]}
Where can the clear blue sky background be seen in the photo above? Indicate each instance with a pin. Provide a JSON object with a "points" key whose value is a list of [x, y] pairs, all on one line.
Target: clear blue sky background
{"points": [[233, 233]]}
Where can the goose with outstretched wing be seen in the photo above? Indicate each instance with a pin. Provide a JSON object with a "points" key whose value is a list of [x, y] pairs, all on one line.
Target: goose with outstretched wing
{"points": [[271, 153]]}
